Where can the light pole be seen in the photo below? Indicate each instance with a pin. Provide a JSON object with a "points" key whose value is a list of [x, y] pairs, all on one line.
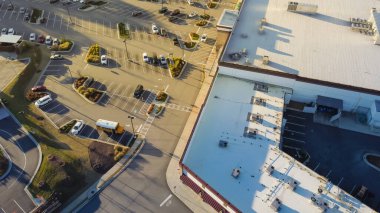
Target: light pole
{"points": [[133, 129]]}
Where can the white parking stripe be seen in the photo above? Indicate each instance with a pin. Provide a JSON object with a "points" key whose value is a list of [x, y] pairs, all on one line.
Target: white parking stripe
{"points": [[19, 206], [47, 19], [293, 116], [55, 16], [288, 130], [292, 139], [61, 118], [295, 124]]}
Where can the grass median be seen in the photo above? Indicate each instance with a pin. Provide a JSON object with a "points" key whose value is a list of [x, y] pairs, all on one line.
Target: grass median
{"points": [[74, 172]]}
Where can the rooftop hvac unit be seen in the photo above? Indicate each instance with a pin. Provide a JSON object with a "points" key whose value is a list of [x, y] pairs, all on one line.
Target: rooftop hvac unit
{"points": [[265, 60], [270, 170], [302, 8], [223, 143], [235, 173], [292, 184], [251, 133], [276, 204]]}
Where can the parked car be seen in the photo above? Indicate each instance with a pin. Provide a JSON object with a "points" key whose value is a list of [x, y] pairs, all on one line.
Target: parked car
{"points": [[204, 38], [53, 1], [4, 31], [32, 37], [175, 12], [10, 6], [11, 31], [163, 10], [41, 39], [103, 60], [39, 88], [48, 40], [22, 10], [145, 57], [192, 14], [154, 29], [155, 60], [43, 101], [56, 57], [88, 82], [27, 16], [55, 41], [163, 60], [138, 91], [137, 13], [78, 126], [66, 2]]}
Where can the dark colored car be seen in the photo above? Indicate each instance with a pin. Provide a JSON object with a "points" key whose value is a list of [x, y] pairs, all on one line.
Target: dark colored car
{"points": [[53, 1], [137, 13], [138, 91], [175, 12], [155, 60], [41, 39], [172, 18], [163, 10], [39, 88], [27, 16]]}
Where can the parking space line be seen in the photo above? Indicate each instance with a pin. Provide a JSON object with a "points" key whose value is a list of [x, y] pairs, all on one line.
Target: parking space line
{"points": [[57, 113], [49, 110], [60, 26], [294, 140], [295, 124], [19, 206], [328, 174], [65, 116], [47, 19], [5, 13], [316, 167], [10, 17], [291, 147], [88, 136], [352, 190], [293, 116], [103, 28], [96, 27], [2, 208], [18, 14], [55, 16], [121, 97], [288, 130], [115, 91], [340, 181]]}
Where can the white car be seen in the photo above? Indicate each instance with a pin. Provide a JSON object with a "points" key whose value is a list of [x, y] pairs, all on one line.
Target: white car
{"points": [[82, 1], [22, 10], [4, 31], [55, 41], [77, 127], [154, 29], [56, 57], [43, 101], [48, 40], [163, 60], [192, 14], [11, 31], [32, 37], [145, 58], [103, 60], [204, 38]]}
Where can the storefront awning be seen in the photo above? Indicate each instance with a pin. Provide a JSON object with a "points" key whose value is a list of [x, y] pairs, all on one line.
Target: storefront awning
{"points": [[330, 102]]}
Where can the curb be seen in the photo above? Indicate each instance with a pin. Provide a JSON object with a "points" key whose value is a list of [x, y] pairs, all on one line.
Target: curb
{"points": [[365, 160], [9, 163], [183, 68], [104, 93], [39, 157], [42, 73]]}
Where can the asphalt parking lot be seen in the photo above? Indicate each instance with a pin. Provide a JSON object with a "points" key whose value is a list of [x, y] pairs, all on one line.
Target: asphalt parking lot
{"points": [[145, 182], [24, 155], [335, 153]]}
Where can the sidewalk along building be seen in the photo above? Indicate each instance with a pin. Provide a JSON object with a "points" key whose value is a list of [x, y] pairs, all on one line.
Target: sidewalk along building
{"points": [[321, 57]]}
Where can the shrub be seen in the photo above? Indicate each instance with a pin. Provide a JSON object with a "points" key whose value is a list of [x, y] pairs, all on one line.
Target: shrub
{"points": [[93, 55], [66, 128], [201, 23], [82, 89], [211, 5], [190, 44], [205, 16], [33, 96], [64, 46], [176, 67], [161, 96], [194, 36], [79, 82]]}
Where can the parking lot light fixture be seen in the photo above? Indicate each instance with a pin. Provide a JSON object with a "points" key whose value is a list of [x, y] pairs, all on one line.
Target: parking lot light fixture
{"points": [[126, 49], [133, 128]]}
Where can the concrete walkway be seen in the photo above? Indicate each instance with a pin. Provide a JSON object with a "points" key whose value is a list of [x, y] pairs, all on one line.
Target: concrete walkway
{"points": [[184, 193]]}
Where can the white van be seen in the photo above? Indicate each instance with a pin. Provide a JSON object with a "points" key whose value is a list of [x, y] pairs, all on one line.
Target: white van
{"points": [[43, 101]]}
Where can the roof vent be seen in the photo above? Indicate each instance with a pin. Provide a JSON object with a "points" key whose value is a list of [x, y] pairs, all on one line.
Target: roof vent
{"points": [[276, 205], [235, 172], [223, 143], [265, 60]]}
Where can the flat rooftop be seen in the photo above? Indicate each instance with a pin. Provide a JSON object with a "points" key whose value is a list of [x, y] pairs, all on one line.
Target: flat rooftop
{"points": [[320, 46], [226, 117]]}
